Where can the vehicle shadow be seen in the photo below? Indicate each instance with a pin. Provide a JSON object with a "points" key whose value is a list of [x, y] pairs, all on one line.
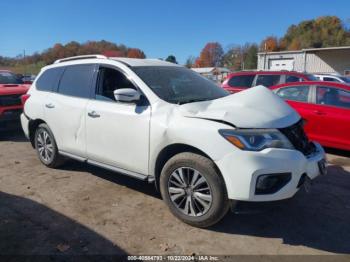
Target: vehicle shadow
{"points": [[30, 228], [338, 152], [114, 177], [15, 135], [318, 219]]}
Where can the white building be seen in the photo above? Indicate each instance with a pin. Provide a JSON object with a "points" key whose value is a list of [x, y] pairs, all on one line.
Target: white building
{"points": [[216, 74], [334, 60]]}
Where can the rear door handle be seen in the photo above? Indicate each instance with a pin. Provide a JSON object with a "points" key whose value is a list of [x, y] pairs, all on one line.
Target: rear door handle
{"points": [[50, 105], [93, 114], [318, 112]]}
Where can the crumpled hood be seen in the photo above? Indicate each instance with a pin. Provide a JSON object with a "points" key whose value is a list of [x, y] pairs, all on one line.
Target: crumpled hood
{"points": [[255, 107]]}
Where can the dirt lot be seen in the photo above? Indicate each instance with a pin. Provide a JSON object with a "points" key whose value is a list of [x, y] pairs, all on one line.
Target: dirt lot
{"points": [[81, 209]]}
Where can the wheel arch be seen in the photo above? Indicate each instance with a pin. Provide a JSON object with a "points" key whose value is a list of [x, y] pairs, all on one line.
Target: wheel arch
{"points": [[171, 150], [32, 126]]}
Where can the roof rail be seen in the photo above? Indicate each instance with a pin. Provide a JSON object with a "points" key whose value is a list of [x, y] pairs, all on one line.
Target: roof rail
{"points": [[72, 58]]}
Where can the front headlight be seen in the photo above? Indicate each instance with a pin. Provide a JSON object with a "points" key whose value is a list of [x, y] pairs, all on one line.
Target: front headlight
{"points": [[256, 139]]}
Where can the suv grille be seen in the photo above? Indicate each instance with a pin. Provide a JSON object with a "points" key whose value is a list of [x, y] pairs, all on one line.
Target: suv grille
{"points": [[296, 135], [10, 100]]}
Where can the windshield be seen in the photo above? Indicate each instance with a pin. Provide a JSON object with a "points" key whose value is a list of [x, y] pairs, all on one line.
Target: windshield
{"points": [[345, 79], [179, 85], [9, 78]]}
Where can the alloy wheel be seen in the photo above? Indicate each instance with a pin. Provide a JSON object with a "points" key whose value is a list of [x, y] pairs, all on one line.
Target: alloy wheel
{"points": [[189, 191], [45, 146]]}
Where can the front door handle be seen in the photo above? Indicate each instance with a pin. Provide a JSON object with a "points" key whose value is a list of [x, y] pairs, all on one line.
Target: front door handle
{"points": [[93, 114], [50, 105]]}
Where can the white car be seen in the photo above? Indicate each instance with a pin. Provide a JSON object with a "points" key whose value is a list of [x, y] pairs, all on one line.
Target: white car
{"points": [[333, 78], [160, 122]]}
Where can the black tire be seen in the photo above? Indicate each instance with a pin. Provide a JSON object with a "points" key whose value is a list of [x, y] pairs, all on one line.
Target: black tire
{"points": [[55, 159], [219, 201]]}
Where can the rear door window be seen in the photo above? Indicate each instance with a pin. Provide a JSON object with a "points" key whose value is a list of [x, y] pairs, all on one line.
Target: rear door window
{"points": [[76, 81], [292, 79], [332, 96], [49, 79], [241, 81], [268, 80], [295, 93]]}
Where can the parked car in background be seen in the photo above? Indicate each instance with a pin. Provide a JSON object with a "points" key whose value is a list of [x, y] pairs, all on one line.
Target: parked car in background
{"points": [[239, 81], [333, 78], [11, 90], [28, 79], [326, 108], [163, 123]]}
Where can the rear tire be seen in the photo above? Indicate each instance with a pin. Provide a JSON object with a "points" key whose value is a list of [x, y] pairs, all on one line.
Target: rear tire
{"points": [[46, 147], [194, 190]]}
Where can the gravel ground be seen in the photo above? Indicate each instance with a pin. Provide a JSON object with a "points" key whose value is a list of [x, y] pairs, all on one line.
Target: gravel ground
{"points": [[80, 209]]}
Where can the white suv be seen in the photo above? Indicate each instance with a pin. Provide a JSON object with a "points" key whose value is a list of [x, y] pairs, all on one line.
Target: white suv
{"points": [[333, 78], [163, 123]]}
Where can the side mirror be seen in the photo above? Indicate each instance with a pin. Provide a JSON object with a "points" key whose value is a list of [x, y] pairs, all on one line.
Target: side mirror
{"points": [[127, 95]]}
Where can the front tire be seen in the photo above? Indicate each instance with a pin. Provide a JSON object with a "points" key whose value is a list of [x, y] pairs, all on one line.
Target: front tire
{"points": [[194, 190], [46, 147]]}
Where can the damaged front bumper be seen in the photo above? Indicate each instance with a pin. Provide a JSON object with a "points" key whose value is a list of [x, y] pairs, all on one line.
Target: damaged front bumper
{"points": [[268, 175]]}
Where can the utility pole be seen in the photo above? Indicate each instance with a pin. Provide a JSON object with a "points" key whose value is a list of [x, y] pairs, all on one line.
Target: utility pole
{"points": [[24, 61], [265, 54]]}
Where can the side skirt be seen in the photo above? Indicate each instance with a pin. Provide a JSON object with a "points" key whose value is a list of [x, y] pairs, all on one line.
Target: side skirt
{"points": [[109, 167]]}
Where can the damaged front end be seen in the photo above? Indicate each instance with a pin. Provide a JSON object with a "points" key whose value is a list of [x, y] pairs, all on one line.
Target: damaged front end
{"points": [[256, 107]]}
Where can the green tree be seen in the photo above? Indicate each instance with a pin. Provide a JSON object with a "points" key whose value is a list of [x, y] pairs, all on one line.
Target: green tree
{"points": [[190, 61], [233, 58], [251, 56], [171, 59], [240, 57]]}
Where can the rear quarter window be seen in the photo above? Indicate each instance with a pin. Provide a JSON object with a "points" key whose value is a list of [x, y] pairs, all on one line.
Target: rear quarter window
{"points": [[268, 80], [330, 79], [292, 79], [49, 79], [241, 81], [76, 81]]}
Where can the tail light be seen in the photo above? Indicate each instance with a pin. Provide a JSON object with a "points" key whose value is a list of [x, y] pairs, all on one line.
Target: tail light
{"points": [[24, 98]]}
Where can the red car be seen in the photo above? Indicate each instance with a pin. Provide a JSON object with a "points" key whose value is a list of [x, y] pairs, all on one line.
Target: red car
{"points": [[326, 108], [11, 90], [239, 81]]}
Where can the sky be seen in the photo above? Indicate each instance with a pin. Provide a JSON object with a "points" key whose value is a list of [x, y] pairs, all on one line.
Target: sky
{"points": [[158, 27]]}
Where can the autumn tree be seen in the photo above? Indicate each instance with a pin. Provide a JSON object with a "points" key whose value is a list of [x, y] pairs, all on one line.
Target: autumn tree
{"points": [[324, 31], [135, 53], [113, 53], [210, 56], [171, 59], [269, 44], [72, 48]]}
